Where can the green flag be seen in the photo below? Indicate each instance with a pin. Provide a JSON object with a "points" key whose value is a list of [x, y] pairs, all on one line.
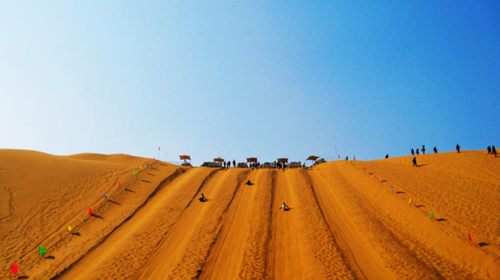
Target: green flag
{"points": [[42, 251], [432, 215], [133, 172]]}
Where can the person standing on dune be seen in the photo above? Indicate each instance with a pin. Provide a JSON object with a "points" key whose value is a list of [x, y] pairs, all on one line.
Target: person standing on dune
{"points": [[418, 152], [415, 161], [412, 152], [494, 150], [423, 149], [435, 150], [234, 163], [489, 150], [458, 148]]}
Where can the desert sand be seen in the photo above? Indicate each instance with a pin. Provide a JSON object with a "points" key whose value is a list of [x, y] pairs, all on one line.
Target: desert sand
{"points": [[344, 222]]}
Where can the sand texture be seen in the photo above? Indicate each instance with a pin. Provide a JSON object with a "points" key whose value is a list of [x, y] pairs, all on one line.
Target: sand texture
{"points": [[344, 221]]}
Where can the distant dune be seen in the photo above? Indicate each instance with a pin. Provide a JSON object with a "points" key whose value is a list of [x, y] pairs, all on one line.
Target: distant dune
{"points": [[344, 222]]}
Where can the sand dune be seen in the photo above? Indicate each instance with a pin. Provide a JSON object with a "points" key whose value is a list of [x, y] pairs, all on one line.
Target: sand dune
{"points": [[345, 222]]}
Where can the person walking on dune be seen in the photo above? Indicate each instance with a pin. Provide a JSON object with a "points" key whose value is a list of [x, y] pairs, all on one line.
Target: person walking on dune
{"points": [[494, 150], [489, 150], [458, 148], [415, 161], [435, 150], [412, 152], [418, 152], [234, 163], [423, 149]]}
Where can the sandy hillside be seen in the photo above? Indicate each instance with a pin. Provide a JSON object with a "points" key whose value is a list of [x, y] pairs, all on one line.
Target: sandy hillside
{"points": [[345, 221]]}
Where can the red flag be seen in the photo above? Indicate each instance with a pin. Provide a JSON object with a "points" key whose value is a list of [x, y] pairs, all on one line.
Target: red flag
{"points": [[470, 237], [15, 267], [158, 148], [339, 156], [120, 183], [90, 211]]}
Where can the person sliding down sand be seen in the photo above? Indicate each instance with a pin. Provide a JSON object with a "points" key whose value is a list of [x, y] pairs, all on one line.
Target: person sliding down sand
{"points": [[284, 207], [203, 198]]}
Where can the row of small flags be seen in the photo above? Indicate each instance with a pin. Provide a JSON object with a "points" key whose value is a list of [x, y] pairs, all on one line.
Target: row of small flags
{"points": [[42, 250]]}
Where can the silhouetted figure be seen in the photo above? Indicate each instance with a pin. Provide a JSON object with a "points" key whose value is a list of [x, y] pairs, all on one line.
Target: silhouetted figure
{"points": [[489, 150], [418, 152], [249, 183], [423, 149], [435, 150], [228, 164], [304, 165], [224, 164], [234, 163], [347, 158], [412, 152], [415, 161], [284, 207], [458, 148], [202, 198], [387, 156], [494, 150]]}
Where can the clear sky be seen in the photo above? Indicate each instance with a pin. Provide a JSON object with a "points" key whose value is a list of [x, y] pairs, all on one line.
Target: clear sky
{"points": [[237, 79]]}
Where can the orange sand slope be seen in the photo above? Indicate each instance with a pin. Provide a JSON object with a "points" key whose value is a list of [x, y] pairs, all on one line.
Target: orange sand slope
{"points": [[344, 221]]}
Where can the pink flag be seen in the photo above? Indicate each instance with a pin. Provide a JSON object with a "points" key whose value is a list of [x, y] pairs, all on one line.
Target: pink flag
{"points": [[158, 148], [339, 156], [90, 211], [15, 267]]}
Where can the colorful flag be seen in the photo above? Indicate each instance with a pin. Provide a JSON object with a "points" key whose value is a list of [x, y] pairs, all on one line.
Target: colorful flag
{"points": [[120, 183], [470, 237], [409, 201], [432, 215], [69, 228], [106, 196], [42, 250], [90, 211], [158, 148], [140, 166], [15, 267], [133, 172]]}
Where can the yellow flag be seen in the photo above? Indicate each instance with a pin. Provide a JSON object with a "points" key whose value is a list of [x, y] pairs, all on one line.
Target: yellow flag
{"points": [[69, 228], [140, 167], [409, 201]]}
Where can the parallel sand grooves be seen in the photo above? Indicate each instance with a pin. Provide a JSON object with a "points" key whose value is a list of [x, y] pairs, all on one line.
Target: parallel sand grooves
{"points": [[127, 249], [187, 244], [343, 224]]}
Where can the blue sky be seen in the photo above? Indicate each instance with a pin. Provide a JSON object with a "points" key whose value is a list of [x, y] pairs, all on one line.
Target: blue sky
{"points": [[266, 79]]}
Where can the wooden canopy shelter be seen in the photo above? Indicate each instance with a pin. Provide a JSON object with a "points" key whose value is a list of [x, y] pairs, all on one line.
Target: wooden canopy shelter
{"points": [[185, 158], [313, 158], [283, 160], [218, 159], [252, 159]]}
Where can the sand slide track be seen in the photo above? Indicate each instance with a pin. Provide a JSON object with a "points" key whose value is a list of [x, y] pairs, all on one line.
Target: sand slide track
{"points": [[225, 256], [165, 182], [149, 223], [186, 246]]}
